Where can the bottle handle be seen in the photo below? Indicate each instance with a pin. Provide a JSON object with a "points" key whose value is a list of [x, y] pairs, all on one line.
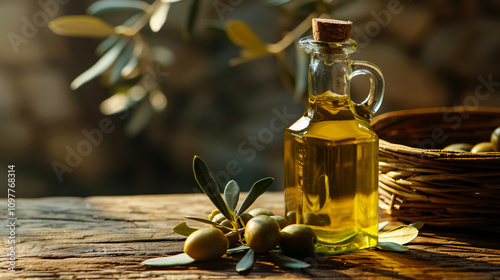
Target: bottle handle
{"points": [[371, 104]]}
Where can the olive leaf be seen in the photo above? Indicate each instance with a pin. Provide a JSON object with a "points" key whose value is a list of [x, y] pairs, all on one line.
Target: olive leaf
{"points": [[159, 17], [288, 262], [139, 119], [382, 225], [209, 186], [133, 20], [106, 44], [391, 246], [81, 26], [242, 35], [231, 194], [401, 235], [114, 104], [121, 62], [100, 66], [257, 190], [201, 220], [238, 249], [191, 19], [179, 259], [417, 225], [184, 229], [134, 61], [117, 6], [131, 65], [246, 262]]}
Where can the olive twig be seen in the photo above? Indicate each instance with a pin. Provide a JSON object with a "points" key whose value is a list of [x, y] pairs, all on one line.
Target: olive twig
{"points": [[233, 232]]}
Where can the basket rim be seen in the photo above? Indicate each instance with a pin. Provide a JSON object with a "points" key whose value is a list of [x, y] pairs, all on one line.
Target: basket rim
{"points": [[438, 154], [432, 110], [435, 154]]}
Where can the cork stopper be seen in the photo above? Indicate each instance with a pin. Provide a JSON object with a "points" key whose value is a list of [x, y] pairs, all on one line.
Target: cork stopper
{"points": [[331, 30]]}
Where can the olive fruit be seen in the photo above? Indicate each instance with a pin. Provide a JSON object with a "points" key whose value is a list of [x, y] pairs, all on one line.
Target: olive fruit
{"points": [[218, 218], [291, 217], [483, 147], [315, 219], [494, 139], [298, 240], [206, 244], [282, 222], [262, 234], [325, 218], [459, 147], [245, 217], [233, 239], [260, 211], [212, 215]]}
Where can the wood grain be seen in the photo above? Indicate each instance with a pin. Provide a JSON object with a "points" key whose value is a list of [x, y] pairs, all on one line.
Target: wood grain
{"points": [[108, 238]]}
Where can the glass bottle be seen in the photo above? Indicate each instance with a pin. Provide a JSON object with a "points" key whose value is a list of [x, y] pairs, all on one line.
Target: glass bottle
{"points": [[331, 152]]}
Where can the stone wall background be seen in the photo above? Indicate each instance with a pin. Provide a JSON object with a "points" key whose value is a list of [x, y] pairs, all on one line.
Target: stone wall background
{"points": [[432, 53]]}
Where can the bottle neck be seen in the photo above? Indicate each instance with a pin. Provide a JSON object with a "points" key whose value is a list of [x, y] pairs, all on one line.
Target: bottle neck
{"points": [[328, 79], [329, 73]]}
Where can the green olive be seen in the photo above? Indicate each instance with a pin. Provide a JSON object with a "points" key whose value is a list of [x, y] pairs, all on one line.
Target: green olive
{"points": [[459, 147], [233, 239], [260, 211], [212, 215], [262, 234], [218, 218], [483, 147], [245, 217], [315, 220], [298, 240], [282, 222], [325, 218], [291, 217], [206, 244], [494, 139]]}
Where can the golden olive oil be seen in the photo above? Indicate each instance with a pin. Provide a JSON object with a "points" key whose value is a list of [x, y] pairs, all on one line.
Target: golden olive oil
{"points": [[331, 174]]}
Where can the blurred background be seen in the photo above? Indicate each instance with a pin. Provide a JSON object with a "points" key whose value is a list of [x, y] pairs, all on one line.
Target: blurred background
{"points": [[197, 100]]}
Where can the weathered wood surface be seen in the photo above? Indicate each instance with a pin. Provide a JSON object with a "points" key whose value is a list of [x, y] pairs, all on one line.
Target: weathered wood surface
{"points": [[108, 238]]}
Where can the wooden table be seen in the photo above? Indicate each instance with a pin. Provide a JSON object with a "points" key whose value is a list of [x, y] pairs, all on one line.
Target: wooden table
{"points": [[108, 238]]}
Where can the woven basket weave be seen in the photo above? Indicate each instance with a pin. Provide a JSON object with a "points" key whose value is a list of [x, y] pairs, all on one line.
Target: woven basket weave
{"points": [[443, 188]]}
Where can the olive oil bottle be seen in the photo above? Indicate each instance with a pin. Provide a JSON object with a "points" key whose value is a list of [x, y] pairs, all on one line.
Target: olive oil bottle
{"points": [[331, 152]]}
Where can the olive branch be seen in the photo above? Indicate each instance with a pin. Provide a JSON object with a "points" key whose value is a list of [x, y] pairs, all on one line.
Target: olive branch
{"points": [[126, 61], [292, 65]]}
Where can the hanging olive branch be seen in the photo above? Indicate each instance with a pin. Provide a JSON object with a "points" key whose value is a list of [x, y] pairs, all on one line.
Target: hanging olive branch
{"points": [[293, 78], [125, 58]]}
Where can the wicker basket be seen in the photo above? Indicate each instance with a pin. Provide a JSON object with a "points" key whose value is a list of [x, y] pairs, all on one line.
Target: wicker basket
{"points": [[442, 188]]}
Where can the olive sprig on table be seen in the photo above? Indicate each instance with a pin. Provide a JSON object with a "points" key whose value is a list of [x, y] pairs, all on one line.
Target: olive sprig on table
{"points": [[258, 231]]}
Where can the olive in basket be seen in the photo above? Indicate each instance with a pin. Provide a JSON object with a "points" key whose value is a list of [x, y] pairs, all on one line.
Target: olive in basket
{"points": [[483, 147], [494, 139], [459, 147]]}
